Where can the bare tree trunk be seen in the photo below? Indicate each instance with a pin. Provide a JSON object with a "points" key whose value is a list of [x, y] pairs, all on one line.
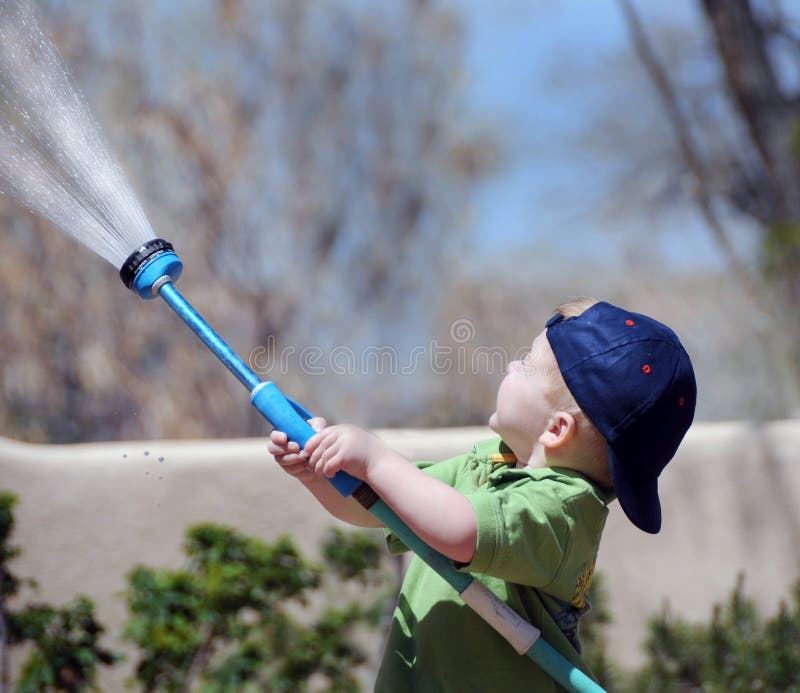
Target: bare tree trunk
{"points": [[200, 660], [778, 343], [689, 149], [768, 113]]}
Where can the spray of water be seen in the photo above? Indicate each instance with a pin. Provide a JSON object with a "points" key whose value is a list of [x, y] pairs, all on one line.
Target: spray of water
{"points": [[52, 155]]}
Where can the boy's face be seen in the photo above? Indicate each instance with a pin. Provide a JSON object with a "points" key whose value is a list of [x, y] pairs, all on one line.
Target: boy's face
{"points": [[526, 395]]}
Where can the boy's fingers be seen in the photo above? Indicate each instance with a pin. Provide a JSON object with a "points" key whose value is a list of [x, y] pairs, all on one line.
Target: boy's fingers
{"points": [[314, 441], [279, 443], [283, 455], [322, 452], [315, 451], [283, 449], [332, 466]]}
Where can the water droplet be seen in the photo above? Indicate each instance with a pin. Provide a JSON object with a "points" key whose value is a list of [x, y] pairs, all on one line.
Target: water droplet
{"points": [[146, 453], [124, 454], [147, 473], [160, 478], [160, 459]]}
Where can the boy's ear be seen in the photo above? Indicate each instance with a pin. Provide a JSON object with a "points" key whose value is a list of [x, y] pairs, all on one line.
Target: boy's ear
{"points": [[560, 429]]}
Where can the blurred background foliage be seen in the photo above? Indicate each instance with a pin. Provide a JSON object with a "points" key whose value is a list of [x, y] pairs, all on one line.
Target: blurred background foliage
{"points": [[327, 177]]}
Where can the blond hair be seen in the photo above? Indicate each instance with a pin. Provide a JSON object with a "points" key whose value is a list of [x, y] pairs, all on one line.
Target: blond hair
{"points": [[593, 444], [576, 306]]}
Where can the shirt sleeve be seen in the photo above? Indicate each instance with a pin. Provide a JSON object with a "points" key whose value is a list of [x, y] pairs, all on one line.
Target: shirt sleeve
{"points": [[524, 533], [443, 471]]}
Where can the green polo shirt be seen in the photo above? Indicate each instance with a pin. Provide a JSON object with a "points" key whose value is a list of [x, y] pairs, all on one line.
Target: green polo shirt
{"points": [[538, 535]]}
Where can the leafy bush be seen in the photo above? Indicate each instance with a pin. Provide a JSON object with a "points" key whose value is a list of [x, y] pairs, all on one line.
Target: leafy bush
{"points": [[737, 651], [225, 623], [232, 620], [64, 642]]}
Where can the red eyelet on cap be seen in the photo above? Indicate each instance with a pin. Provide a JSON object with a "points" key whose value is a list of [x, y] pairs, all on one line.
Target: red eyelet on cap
{"points": [[646, 369], [629, 323], [681, 401]]}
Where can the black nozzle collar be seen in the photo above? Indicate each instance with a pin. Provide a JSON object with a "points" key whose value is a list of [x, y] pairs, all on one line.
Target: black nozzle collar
{"points": [[141, 255]]}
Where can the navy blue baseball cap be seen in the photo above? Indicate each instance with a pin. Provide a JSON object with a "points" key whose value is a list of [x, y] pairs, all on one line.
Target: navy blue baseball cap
{"points": [[632, 377]]}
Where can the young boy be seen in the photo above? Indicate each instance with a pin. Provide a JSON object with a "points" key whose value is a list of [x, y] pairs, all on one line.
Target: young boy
{"points": [[596, 410]]}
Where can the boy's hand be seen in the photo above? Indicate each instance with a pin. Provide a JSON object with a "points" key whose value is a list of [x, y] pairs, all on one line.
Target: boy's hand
{"points": [[288, 454], [344, 448]]}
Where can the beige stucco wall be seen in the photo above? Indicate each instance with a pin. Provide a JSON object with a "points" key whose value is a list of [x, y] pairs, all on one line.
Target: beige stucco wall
{"points": [[88, 513]]}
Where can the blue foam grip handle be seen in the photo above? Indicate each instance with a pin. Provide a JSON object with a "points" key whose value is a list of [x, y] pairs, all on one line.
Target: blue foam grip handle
{"points": [[290, 417], [300, 409]]}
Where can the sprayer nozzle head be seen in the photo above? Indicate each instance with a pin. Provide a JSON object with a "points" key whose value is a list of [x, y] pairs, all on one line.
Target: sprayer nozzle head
{"points": [[149, 267], [140, 256]]}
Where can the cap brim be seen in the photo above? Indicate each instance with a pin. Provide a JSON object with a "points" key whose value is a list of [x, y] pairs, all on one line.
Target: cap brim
{"points": [[638, 497]]}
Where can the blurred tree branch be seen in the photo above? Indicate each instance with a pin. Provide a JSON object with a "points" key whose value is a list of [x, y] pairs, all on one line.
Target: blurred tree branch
{"points": [[688, 147], [769, 113], [771, 118], [303, 156]]}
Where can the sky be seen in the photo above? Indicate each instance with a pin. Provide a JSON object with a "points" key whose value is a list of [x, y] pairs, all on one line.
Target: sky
{"points": [[513, 52]]}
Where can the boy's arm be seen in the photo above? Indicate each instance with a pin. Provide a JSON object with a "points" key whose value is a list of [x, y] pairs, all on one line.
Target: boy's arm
{"points": [[345, 509], [438, 514]]}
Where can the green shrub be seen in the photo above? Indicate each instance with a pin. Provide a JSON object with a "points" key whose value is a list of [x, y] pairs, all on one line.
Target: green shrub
{"points": [[64, 642], [225, 622]]}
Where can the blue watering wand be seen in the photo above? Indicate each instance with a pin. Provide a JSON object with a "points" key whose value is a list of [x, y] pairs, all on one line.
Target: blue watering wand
{"points": [[151, 271]]}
